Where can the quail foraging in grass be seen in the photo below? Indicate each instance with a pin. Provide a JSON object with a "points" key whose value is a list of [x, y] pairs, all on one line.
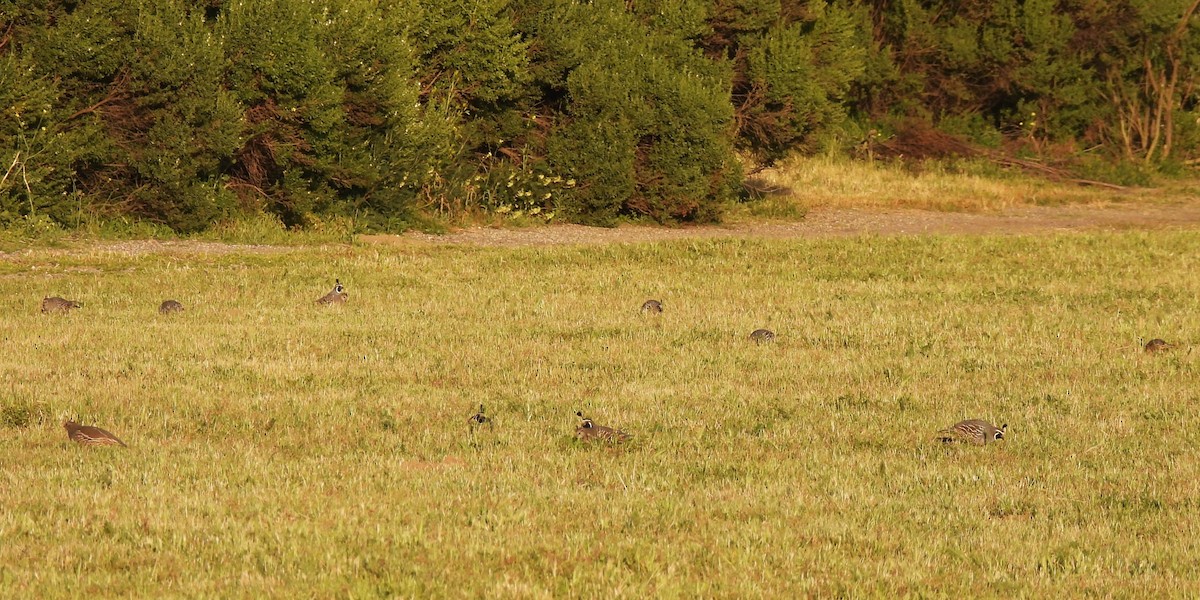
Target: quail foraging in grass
{"points": [[653, 307], [170, 306], [54, 304], [972, 431], [1156, 345], [337, 295], [90, 436], [591, 431], [761, 336], [479, 419]]}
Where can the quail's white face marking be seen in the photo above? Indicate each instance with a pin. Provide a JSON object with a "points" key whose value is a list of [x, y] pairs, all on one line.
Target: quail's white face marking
{"points": [[479, 418]]}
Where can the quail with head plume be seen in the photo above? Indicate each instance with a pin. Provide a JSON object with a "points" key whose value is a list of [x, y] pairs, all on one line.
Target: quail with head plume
{"points": [[1157, 345], [972, 431], [90, 436], [337, 295], [653, 307], [590, 431], [479, 419], [761, 336], [54, 304], [170, 306]]}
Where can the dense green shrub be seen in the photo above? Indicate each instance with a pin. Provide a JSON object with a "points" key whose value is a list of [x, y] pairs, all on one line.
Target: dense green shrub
{"points": [[471, 52], [189, 112], [333, 120], [646, 126], [37, 151], [793, 66], [1107, 72], [294, 108]]}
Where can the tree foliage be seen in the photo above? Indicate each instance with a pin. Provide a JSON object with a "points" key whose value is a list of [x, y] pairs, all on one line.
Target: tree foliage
{"points": [[189, 112]]}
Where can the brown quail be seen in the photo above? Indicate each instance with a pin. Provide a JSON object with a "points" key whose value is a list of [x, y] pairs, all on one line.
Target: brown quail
{"points": [[337, 295], [588, 431], [972, 431], [170, 306], [54, 304], [762, 336], [479, 418], [653, 307], [90, 436]]}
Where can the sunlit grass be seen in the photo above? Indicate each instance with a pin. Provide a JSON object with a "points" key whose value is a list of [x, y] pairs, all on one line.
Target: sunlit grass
{"points": [[278, 448], [823, 181]]}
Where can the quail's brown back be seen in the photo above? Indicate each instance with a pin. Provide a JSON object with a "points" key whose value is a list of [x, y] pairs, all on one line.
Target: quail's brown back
{"points": [[588, 431], [170, 306], [972, 431], [762, 335], [54, 304], [653, 307], [90, 436], [337, 295]]}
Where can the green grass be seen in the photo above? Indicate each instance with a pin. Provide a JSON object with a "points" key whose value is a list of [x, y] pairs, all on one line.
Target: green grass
{"points": [[247, 229], [279, 449]]}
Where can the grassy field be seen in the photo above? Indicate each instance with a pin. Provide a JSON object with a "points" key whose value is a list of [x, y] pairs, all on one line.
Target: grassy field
{"points": [[282, 449], [816, 182]]}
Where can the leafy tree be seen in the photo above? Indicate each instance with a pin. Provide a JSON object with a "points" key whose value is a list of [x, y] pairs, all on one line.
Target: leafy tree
{"points": [[647, 124], [189, 113], [1150, 62]]}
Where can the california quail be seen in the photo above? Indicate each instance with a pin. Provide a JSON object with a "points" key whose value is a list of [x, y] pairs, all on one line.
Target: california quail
{"points": [[761, 336], [479, 418], [54, 304], [336, 296], [972, 431], [1156, 345], [90, 436], [170, 306], [590, 431], [653, 307]]}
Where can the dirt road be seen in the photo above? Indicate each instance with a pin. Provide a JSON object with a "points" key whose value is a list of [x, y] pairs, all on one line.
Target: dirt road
{"points": [[845, 222]]}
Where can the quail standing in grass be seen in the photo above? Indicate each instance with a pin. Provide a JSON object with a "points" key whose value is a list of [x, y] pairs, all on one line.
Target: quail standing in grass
{"points": [[972, 431], [90, 436], [1156, 345], [588, 431], [653, 307], [54, 304], [478, 419], [762, 336], [337, 295], [169, 307]]}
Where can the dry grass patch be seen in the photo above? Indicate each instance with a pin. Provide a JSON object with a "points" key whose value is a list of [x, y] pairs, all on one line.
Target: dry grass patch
{"points": [[831, 182], [278, 447]]}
